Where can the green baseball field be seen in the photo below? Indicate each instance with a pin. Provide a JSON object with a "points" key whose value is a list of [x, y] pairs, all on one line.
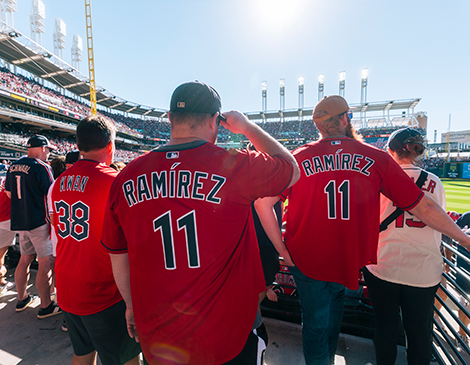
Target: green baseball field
{"points": [[457, 194]]}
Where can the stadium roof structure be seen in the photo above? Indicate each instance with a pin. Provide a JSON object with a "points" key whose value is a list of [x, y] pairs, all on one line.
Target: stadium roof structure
{"points": [[21, 51], [379, 106]]}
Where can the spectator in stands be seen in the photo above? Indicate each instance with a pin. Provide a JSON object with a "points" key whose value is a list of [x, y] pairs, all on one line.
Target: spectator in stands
{"points": [[268, 253], [333, 220], [58, 166], [464, 220], [71, 158], [27, 183], [4, 165], [409, 263], [195, 327], [93, 308], [7, 237]]}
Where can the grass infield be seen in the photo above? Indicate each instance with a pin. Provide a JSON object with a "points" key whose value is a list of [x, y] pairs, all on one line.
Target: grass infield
{"points": [[457, 194]]}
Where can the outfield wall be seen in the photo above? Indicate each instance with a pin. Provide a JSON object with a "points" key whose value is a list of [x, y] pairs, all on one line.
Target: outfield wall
{"points": [[456, 170]]}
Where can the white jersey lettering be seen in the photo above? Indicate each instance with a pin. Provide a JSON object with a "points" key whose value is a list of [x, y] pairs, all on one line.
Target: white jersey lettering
{"points": [[337, 162], [182, 184]]}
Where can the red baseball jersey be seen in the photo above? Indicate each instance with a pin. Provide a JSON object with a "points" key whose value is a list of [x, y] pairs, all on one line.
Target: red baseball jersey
{"points": [[183, 214], [84, 277], [333, 216], [5, 203]]}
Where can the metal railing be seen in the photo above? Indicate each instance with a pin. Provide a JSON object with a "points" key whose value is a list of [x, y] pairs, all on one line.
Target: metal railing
{"points": [[451, 335]]}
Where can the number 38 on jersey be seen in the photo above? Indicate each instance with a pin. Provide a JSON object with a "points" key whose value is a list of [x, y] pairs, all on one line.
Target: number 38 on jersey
{"points": [[73, 220]]}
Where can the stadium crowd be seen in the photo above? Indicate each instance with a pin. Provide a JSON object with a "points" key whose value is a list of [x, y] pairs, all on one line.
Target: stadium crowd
{"points": [[30, 88], [18, 134], [383, 131], [146, 128], [276, 161]]}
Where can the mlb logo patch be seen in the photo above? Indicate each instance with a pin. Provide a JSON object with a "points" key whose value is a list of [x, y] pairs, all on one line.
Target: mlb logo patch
{"points": [[180, 104], [335, 143], [172, 155]]}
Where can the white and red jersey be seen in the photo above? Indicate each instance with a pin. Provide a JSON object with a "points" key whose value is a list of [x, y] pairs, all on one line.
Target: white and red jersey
{"points": [[408, 250], [183, 214], [84, 277], [333, 217]]}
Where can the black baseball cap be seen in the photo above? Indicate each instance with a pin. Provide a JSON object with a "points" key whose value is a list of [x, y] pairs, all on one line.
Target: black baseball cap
{"points": [[195, 97], [39, 141], [72, 157], [402, 137]]}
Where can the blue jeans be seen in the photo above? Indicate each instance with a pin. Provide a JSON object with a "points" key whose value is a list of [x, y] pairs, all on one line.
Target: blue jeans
{"points": [[322, 304]]}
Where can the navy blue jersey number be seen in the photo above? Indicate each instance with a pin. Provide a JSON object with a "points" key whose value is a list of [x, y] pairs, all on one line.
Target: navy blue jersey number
{"points": [[73, 220], [344, 195], [187, 222]]}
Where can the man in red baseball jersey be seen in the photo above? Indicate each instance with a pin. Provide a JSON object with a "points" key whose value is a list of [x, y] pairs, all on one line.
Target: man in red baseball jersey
{"points": [[333, 220], [86, 291], [180, 232]]}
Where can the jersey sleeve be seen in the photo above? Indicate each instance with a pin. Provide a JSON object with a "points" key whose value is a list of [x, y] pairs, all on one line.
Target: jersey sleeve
{"points": [[50, 207], [45, 178], [113, 239], [399, 188], [268, 175]]}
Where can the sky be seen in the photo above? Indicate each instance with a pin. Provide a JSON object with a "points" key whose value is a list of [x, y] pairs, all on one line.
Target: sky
{"points": [[144, 49]]}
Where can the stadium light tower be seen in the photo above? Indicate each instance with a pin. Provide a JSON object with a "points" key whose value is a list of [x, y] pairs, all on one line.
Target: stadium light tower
{"points": [[321, 86], [282, 92], [264, 96], [8, 6], [91, 62], [301, 92], [60, 31], [77, 48], [38, 20], [364, 78], [342, 83]]}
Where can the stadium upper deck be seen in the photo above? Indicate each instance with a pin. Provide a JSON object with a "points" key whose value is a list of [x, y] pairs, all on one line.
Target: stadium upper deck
{"points": [[20, 51]]}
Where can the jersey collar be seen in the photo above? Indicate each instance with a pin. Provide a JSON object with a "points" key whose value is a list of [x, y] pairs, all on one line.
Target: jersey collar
{"points": [[180, 147]]}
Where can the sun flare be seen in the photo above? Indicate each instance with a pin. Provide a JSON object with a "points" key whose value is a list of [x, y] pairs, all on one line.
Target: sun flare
{"points": [[277, 14]]}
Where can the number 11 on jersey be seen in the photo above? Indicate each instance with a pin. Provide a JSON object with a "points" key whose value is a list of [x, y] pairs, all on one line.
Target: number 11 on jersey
{"points": [[344, 195], [186, 222]]}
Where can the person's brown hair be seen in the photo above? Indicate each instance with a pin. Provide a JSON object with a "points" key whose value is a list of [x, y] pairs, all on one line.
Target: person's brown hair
{"points": [[193, 120], [94, 133], [412, 151], [58, 165]]}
